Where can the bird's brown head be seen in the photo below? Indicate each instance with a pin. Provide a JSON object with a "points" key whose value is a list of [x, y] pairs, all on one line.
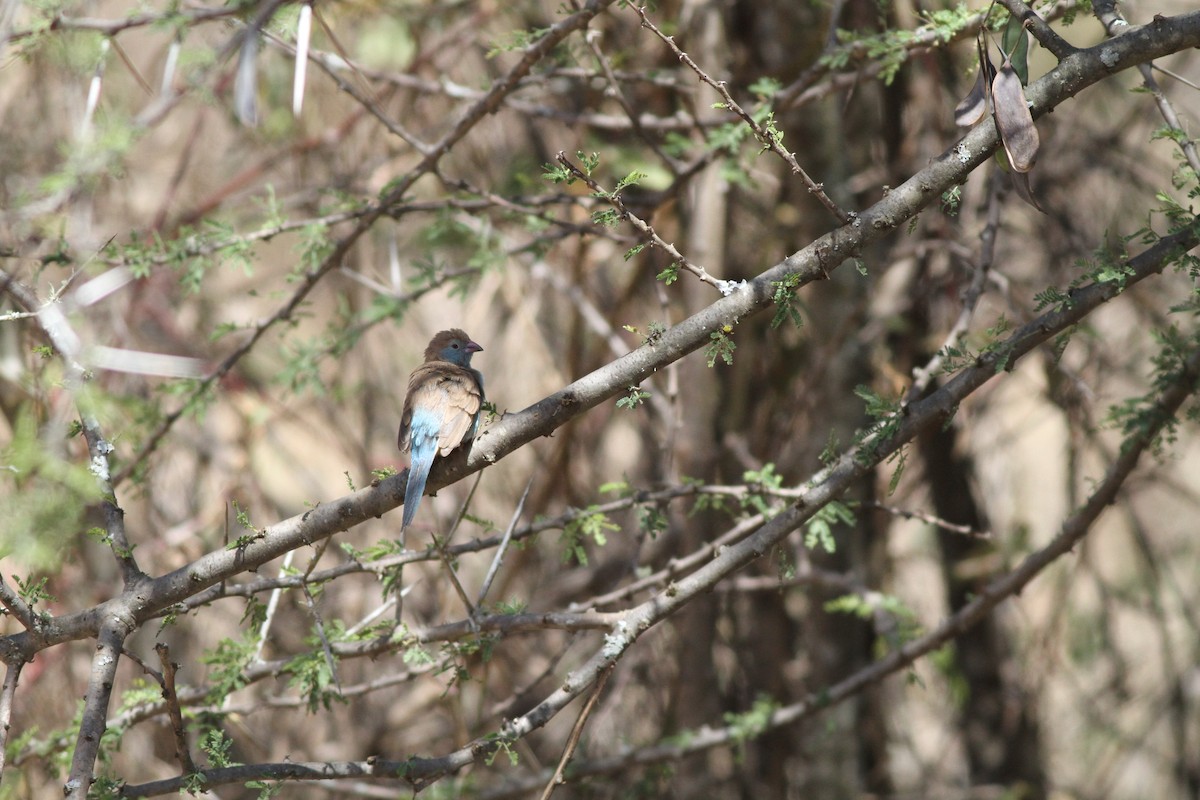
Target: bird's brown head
{"points": [[454, 346]]}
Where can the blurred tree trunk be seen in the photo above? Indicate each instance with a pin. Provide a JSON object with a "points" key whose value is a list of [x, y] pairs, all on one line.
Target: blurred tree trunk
{"points": [[848, 757], [999, 719], [782, 408], [698, 696]]}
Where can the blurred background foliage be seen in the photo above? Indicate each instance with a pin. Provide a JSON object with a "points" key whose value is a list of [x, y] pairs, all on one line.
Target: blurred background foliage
{"points": [[123, 154]]}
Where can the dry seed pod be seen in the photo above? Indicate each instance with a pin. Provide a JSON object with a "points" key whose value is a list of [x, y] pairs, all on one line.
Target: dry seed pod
{"points": [[1013, 120], [1020, 182], [972, 107], [975, 104]]}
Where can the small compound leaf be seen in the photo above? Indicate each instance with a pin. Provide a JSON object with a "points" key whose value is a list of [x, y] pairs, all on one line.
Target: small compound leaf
{"points": [[972, 107], [1013, 120]]}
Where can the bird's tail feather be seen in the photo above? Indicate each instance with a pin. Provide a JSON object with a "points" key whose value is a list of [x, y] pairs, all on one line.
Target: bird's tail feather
{"points": [[418, 473]]}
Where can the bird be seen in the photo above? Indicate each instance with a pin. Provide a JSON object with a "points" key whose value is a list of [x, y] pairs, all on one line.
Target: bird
{"points": [[441, 409]]}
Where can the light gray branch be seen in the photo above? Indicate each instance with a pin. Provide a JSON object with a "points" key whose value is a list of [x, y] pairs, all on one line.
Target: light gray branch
{"points": [[12, 675], [111, 639]]}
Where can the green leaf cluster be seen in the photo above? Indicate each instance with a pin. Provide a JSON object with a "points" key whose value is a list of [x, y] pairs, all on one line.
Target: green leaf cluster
{"points": [[749, 725], [720, 347], [761, 483], [516, 40], [866, 606], [730, 137], [311, 673], [1139, 415], [884, 415], [785, 301], [193, 252], [228, 662], [589, 523], [635, 397], [891, 48], [670, 273], [819, 528]]}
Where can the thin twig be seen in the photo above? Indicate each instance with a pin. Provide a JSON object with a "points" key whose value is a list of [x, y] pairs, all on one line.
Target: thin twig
{"points": [[273, 605], [370, 618], [1046, 36], [576, 732], [614, 91], [184, 18], [146, 668], [171, 698], [907, 513], [769, 138], [498, 559], [806, 576], [1186, 145], [129, 65], [1176, 76], [675, 567], [18, 607], [724, 287], [326, 648], [440, 546]]}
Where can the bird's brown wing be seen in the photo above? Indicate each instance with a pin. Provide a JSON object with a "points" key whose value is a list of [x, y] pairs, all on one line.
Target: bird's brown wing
{"points": [[448, 391]]}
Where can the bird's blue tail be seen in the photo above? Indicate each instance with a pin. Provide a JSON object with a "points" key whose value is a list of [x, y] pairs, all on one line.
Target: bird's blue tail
{"points": [[423, 452]]}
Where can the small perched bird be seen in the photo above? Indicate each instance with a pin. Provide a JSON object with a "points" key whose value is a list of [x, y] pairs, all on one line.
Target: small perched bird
{"points": [[441, 409]]}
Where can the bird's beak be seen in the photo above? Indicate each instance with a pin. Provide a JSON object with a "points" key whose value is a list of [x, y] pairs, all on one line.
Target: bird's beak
{"points": [[473, 347]]}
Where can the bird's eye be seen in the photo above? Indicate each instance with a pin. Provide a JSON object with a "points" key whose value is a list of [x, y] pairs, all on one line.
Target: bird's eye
{"points": [[455, 345]]}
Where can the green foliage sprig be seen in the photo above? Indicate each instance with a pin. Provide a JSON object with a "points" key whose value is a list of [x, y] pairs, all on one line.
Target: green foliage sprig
{"points": [[892, 48], [818, 531], [1137, 415], [760, 484], [228, 662], [590, 523], [635, 397], [720, 347]]}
